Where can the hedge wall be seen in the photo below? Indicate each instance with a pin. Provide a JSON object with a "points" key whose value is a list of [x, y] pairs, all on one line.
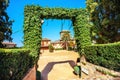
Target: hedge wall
{"points": [[106, 55], [14, 63], [82, 31]]}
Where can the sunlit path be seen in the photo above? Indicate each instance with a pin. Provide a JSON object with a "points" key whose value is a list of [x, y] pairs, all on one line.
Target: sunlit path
{"points": [[58, 65]]}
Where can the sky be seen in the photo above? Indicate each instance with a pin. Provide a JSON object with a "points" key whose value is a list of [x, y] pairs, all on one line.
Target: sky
{"points": [[50, 28]]}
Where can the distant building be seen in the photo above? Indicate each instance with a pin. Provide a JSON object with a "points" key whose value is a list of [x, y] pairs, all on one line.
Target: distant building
{"points": [[45, 44], [57, 44], [8, 44]]}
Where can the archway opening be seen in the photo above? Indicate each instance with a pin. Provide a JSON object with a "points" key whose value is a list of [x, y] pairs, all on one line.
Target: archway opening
{"points": [[58, 33]]}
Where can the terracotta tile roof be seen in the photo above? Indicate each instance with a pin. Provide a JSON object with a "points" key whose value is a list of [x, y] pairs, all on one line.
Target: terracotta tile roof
{"points": [[44, 46], [46, 39], [57, 42], [8, 43]]}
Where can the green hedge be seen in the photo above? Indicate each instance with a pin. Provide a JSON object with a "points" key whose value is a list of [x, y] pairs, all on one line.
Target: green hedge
{"points": [[14, 63], [33, 30], [106, 55], [82, 31], [58, 48]]}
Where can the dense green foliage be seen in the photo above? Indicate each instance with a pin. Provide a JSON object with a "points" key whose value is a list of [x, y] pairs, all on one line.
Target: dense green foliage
{"points": [[105, 15], [66, 36], [106, 55], [82, 31], [14, 63], [32, 30], [32, 25], [5, 24]]}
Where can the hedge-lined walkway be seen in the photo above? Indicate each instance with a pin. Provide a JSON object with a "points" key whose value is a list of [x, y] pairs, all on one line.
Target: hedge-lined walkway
{"points": [[58, 66]]}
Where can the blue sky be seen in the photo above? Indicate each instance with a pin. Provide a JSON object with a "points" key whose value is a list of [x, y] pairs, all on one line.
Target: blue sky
{"points": [[50, 28]]}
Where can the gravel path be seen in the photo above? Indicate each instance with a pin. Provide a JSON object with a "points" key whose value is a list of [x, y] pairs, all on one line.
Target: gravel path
{"points": [[59, 66]]}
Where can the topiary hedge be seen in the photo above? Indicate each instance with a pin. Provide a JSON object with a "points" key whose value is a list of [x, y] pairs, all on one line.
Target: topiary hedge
{"points": [[106, 55], [32, 25], [82, 31], [14, 63]]}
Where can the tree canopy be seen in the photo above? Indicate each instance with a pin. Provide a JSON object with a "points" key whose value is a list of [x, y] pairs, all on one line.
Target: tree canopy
{"points": [[65, 38], [5, 23], [105, 15]]}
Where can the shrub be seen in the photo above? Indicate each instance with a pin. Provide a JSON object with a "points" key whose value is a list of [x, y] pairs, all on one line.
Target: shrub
{"points": [[58, 48], [106, 55], [107, 72], [14, 63], [70, 48], [51, 48]]}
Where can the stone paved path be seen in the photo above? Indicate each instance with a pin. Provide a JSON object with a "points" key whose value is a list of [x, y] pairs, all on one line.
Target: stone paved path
{"points": [[59, 66]]}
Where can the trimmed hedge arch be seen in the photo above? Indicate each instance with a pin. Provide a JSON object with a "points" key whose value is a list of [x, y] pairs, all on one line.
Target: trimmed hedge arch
{"points": [[32, 25]]}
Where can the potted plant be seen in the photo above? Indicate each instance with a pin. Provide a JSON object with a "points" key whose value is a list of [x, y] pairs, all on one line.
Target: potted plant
{"points": [[77, 70]]}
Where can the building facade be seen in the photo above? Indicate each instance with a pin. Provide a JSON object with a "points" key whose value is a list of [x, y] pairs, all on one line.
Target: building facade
{"points": [[45, 44], [57, 44], [8, 44]]}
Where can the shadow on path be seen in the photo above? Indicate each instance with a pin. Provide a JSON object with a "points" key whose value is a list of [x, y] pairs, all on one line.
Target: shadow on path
{"points": [[49, 66]]}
